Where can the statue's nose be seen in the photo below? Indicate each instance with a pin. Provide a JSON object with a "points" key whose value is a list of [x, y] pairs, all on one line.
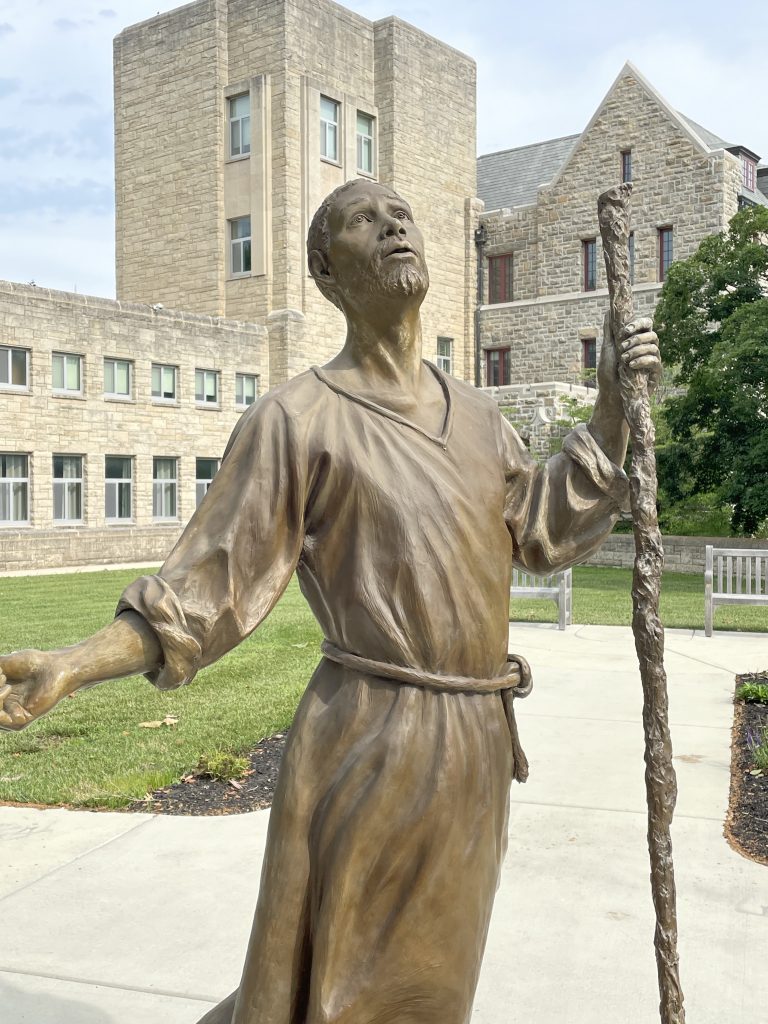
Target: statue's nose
{"points": [[392, 226]]}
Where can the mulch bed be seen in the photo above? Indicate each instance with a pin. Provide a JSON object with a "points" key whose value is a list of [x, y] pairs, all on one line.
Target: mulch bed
{"points": [[200, 794], [747, 824]]}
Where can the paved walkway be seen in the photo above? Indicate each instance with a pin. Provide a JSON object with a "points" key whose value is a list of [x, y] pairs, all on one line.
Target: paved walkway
{"points": [[134, 919]]}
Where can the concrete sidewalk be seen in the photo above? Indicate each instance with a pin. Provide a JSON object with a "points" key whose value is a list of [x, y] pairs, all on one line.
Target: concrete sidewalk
{"points": [[134, 919]]}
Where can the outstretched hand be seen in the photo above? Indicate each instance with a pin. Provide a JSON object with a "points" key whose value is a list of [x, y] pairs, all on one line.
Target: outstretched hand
{"points": [[31, 683], [638, 350]]}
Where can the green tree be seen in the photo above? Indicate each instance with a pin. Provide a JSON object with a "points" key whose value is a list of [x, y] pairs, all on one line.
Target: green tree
{"points": [[712, 322]]}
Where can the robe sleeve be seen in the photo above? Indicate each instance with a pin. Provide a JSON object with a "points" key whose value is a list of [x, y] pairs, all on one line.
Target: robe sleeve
{"points": [[560, 512], [237, 553]]}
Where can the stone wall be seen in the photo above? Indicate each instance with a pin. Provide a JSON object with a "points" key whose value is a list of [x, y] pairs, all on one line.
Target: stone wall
{"points": [[39, 423], [681, 554], [540, 412]]}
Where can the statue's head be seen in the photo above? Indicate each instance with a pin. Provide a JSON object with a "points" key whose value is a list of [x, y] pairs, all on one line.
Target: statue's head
{"points": [[363, 244]]}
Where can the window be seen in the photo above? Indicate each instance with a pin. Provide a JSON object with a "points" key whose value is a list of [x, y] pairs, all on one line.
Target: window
{"points": [[207, 387], [329, 129], [589, 247], [240, 245], [364, 143], [164, 488], [118, 483], [246, 388], [163, 382], [240, 125], [632, 257], [205, 472], [445, 354], [68, 488], [665, 251], [589, 361], [14, 489], [501, 278], [748, 172], [67, 374], [117, 378], [496, 367], [626, 165], [14, 367]]}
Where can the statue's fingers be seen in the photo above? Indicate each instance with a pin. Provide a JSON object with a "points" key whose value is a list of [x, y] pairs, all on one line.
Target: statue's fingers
{"points": [[16, 711], [640, 350], [644, 338], [644, 363], [639, 324]]}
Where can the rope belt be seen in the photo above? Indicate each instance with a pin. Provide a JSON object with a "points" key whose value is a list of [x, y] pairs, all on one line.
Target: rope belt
{"points": [[515, 682]]}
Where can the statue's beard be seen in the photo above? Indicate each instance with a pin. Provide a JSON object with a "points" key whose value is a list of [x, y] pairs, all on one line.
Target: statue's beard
{"points": [[395, 277]]}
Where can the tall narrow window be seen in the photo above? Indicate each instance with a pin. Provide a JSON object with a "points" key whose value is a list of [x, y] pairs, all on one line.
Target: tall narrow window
{"points": [[748, 172], [501, 278], [14, 367], [14, 490], [445, 354], [665, 252], [240, 245], [246, 388], [118, 486], [589, 361], [240, 125], [626, 165], [164, 479], [68, 488], [67, 377], [329, 129], [589, 258], [632, 257], [496, 367], [205, 471], [117, 378], [163, 382], [207, 387], [364, 143]]}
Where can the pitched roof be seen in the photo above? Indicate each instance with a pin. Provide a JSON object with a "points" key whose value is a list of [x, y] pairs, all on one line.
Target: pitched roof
{"points": [[715, 142], [512, 176]]}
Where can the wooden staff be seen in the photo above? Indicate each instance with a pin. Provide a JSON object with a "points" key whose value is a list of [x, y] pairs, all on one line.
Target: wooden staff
{"points": [[661, 787]]}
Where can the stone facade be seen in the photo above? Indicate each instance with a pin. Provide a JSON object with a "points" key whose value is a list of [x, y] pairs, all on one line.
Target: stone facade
{"points": [[681, 554], [179, 188], [542, 413], [679, 181], [40, 422]]}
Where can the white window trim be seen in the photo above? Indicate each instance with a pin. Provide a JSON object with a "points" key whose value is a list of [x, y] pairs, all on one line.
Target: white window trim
{"points": [[12, 524], [239, 243], [163, 483], [255, 378], [59, 482], [363, 170], [18, 388], [324, 125], [160, 399], [203, 403], [116, 396], [440, 359], [115, 482], [234, 120], [65, 390]]}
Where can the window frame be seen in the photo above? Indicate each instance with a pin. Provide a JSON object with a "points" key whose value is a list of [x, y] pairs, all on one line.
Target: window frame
{"points": [[664, 234], [589, 361], [66, 356], [12, 483], [589, 264], [360, 140], [503, 352], [117, 396], [243, 245], [9, 385], [501, 278], [240, 121], [160, 399], [748, 173], [117, 483], [205, 403], [325, 125], [626, 165], [162, 487], [631, 256], [203, 482], [441, 359], [242, 377], [64, 484]]}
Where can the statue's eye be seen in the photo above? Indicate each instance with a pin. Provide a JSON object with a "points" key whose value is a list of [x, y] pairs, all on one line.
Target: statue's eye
{"points": [[359, 218], [402, 215]]}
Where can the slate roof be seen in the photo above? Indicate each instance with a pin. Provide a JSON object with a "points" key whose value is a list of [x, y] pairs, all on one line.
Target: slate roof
{"points": [[512, 176], [715, 142]]}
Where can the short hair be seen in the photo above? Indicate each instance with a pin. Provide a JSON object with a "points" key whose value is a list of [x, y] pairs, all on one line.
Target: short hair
{"points": [[319, 234]]}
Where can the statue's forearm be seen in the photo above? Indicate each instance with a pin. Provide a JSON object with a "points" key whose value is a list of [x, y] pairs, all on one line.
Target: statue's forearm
{"points": [[124, 647], [608, 426]]}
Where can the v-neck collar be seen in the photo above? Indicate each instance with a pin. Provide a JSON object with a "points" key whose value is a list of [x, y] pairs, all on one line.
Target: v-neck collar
{"points": [[441, 439]]}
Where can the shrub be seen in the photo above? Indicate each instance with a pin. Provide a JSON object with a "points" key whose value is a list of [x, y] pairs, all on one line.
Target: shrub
{"points": [[753, 693], [223, 766]]}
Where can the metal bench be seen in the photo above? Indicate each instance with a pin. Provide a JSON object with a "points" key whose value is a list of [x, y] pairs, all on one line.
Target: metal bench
{"points": [[555, 588], [733, 576]]}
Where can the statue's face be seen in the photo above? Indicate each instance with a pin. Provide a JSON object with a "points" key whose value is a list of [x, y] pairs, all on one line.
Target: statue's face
{"points": [[375, 245]]}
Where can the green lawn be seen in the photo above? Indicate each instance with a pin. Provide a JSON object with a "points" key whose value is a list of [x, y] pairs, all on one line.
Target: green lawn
{"points": [[92, 750]]}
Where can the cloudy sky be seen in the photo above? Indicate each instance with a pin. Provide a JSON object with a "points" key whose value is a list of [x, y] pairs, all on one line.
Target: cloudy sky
{"points": [[542, 71]]}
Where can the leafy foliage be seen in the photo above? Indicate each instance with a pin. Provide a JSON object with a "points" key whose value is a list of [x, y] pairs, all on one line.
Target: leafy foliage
{"points": [[753, 693], [712, 322]]}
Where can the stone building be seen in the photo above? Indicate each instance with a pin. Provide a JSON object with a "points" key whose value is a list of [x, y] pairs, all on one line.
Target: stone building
{"points": [[235, 118], [114, 419], [545, 292]]}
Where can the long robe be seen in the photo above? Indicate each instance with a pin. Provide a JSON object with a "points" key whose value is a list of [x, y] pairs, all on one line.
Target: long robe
{"points": [[389, 821]]}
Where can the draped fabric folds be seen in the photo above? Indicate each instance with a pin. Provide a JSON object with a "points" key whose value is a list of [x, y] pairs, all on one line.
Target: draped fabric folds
{"points": [[389, 821]]}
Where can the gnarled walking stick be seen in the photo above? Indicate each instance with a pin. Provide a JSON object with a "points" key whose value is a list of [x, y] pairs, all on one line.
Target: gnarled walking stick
{"points": [[660, 783]]}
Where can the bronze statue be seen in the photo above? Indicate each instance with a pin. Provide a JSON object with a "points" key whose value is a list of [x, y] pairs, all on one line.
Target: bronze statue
{"points": [[401, 498]]}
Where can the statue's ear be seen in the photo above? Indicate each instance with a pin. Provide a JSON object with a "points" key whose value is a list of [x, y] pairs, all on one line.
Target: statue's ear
{"points": [[319, 268]]}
